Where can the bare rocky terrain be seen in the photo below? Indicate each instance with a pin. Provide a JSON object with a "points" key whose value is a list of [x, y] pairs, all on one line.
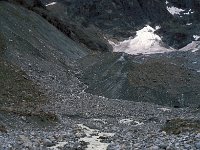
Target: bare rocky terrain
{"points": [[62, 87]]}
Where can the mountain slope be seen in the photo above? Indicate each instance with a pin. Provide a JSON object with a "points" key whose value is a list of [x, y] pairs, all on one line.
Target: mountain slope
{"points": [[61, 86], [31, 50], [160, 80]]}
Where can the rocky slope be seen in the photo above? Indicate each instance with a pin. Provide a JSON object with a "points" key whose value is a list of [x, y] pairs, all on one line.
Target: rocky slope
{"points": [[62, 87]]}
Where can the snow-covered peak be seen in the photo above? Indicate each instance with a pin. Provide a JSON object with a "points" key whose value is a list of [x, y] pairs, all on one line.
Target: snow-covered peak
{"points": [[50, 4], [145, 42]]}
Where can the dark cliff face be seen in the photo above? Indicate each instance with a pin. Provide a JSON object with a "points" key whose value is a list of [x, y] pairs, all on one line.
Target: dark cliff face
{"points": [[87, 36], [191, 4], [119, 17]]}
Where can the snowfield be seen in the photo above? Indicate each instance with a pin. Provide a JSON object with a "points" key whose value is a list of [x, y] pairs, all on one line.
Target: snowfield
{"points": [[145, 42], [174, 10]]}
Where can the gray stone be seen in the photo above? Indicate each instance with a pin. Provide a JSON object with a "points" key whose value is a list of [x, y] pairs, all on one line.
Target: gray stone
{"points": [[136, 145], [187, 146], [23, 138], [163, 146], [197, 145], [27, 145], [48, 143], [170, 147], [113, 146], [197, 136], [154, 148]]}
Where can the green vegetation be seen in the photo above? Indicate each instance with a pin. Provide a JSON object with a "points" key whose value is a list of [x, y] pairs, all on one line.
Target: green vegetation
{"points": [[177, 126]]}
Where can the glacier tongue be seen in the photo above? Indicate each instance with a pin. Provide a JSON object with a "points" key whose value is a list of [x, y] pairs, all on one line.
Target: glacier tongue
{"points": [[145, 42]]}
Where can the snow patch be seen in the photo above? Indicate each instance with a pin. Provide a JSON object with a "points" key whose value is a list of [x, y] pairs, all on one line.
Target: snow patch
{"points": [[145, 42], [138, 123], [189, 12], [196, 37], [189, 24], [164, 109], [125, 121], [129, 121], [193, 46], [174, 10], [92, 137], [50, 4]]}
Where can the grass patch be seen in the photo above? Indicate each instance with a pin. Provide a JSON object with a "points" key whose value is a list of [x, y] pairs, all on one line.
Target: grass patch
{"points": [[177, 126], [39, 114], [16, 89], [20, 96]]}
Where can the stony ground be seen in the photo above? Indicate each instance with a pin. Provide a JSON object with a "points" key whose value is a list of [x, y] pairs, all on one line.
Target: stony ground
{"points": [[93, 122], [47, 106]]}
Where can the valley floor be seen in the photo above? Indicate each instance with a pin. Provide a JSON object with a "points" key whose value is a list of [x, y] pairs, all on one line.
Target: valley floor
{"points": [[89, 122]]}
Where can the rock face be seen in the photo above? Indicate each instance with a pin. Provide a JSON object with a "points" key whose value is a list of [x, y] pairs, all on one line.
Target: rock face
{"points": [[116, 17], [30, 4], [120, 19]]}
